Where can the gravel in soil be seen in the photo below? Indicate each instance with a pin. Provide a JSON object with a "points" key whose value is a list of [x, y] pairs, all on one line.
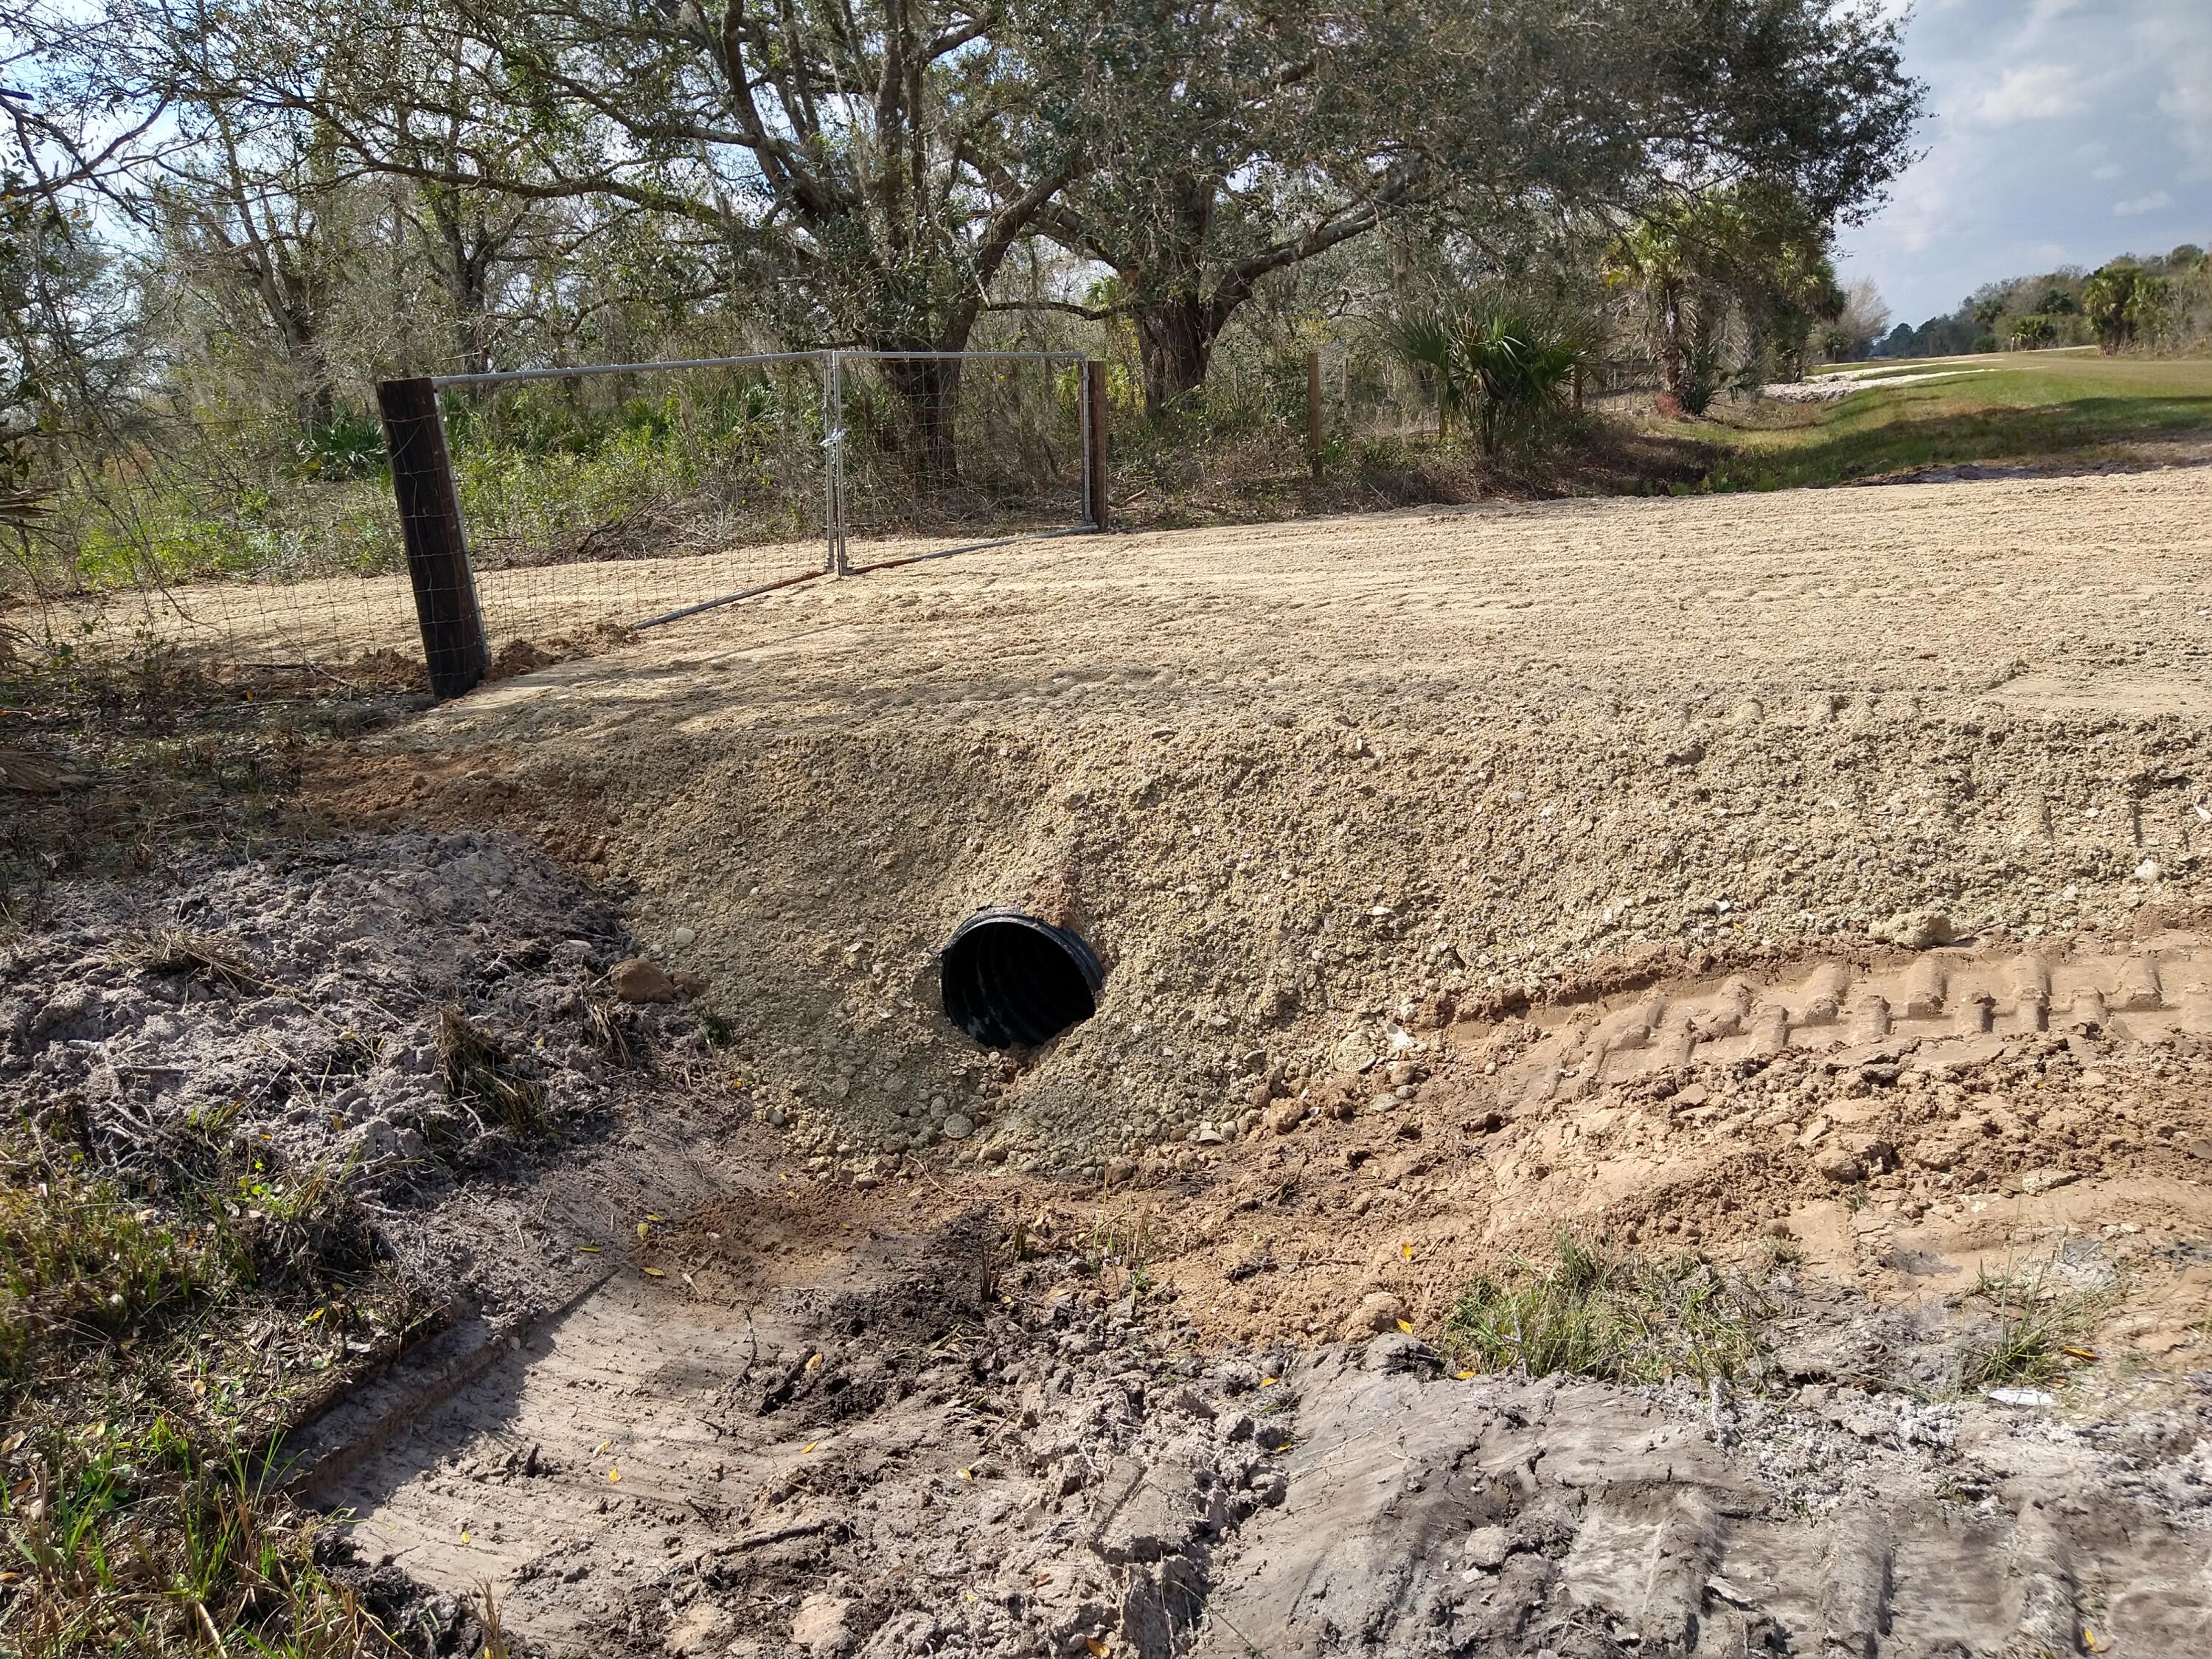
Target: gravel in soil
{"points": [[1460, 877], [1306, 785]]}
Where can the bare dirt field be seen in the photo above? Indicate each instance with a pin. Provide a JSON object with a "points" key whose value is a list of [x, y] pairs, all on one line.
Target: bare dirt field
{"points": [[1807, 889]]}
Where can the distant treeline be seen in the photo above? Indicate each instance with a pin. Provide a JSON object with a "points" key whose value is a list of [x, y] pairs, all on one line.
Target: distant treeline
{"points": [[2159, 301]]}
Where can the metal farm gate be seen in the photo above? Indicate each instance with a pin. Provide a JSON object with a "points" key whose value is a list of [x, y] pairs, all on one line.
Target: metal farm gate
{"points": [[795, 465]]}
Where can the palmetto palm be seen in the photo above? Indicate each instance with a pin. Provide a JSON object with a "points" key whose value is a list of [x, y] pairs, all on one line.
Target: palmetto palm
{"points": [[1497, 364]]}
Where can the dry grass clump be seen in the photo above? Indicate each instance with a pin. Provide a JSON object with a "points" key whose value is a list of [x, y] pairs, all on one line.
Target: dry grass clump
{"points": [[476, 1074], [179, 952]]}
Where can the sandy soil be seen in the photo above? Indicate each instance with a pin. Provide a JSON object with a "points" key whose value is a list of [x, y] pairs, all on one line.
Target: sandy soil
{"points": [[1301, 784], [1812, 881]]}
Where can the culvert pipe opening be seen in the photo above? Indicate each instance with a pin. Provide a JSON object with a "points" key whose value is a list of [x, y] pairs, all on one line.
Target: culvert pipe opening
{"points": [[1013, 981]]}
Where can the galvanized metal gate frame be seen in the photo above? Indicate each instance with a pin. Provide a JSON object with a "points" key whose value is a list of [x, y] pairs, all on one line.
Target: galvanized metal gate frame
{"points": [[443, 575]]}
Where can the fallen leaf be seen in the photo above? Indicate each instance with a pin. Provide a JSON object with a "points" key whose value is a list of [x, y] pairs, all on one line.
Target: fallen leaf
{"points": [[614, 1474], [1464, 1376], [601, 1447], [464, 1537], [588, 1249], [1406, 1249], [967, 1474], [1269, 1381], [1095, 1646], [2078, 1354], [653, 1272], [808, 1447], [814, 1362], [1405, 1326]]}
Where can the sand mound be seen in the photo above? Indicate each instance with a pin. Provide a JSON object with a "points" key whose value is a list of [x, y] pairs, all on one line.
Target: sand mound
{"points": [[1311, 788]]}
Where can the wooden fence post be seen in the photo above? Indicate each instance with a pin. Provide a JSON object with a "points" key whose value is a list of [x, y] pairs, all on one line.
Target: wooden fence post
{"points": [[1094, 442], [453, 644], [1312, 411]]}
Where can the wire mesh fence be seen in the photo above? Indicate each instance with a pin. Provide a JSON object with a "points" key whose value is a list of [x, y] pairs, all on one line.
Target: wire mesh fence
{"points": [[180, 545], [944, 452], [489, 516]]}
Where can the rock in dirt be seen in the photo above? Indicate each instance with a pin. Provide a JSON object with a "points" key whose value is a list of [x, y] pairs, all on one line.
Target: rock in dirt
{"points": [[1840, 1165], [1916, 930], [1378, 1311], [640, 979], [819, 1626], [700, 1629], [957, 1127], [1488, 1547]]}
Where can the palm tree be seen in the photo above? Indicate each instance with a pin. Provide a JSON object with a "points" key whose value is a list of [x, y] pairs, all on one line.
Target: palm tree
{"points": [[2122, 300]]}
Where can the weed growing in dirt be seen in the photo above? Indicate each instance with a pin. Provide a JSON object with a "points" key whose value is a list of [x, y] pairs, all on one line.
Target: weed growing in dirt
{"points": [[165, 1311], [1592, 1312], [2041, 1327], [1116, 1242], [476, 1074]]}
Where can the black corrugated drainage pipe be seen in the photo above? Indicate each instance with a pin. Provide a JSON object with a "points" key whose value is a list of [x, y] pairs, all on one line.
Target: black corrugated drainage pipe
{"points": [[1013, 981]]}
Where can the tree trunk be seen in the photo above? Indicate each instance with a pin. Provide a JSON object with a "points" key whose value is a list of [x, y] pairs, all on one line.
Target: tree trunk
{"points": [[314, 400], [1176, 339], [928, 389], [1669, 343]]}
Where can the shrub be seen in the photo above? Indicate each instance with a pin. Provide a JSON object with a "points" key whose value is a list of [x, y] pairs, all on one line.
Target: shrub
{"points": [[1504, 367]]}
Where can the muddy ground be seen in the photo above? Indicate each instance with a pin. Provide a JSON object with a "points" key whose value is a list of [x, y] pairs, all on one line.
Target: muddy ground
{"points": [[1812, 882]]}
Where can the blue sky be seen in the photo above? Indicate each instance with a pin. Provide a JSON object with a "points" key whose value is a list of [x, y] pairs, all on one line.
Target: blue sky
{"points": [[2059, 132]]}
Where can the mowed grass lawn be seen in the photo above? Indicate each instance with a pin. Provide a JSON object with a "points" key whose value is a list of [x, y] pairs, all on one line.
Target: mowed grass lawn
{"points": [[2008, 406]]}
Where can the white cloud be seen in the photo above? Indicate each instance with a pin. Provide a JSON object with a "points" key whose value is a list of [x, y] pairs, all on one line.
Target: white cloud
{"points": [[2187, 102], [2150, 203], [2110, 171], [2040, 92]]}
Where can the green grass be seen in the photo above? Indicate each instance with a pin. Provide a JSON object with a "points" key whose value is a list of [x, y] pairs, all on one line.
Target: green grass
{"points": [[2026, 407], [1592, 1312], [163, 1319], [2040, 1330]]}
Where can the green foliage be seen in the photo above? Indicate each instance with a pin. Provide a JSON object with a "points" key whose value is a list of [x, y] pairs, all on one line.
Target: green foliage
{"points": [[78, 1257], [155, 1537], [1590, 1311], [1500, 366], [154, 1325], [2123, 301], [2051, 406], [351, 447], [1742, 273]]}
